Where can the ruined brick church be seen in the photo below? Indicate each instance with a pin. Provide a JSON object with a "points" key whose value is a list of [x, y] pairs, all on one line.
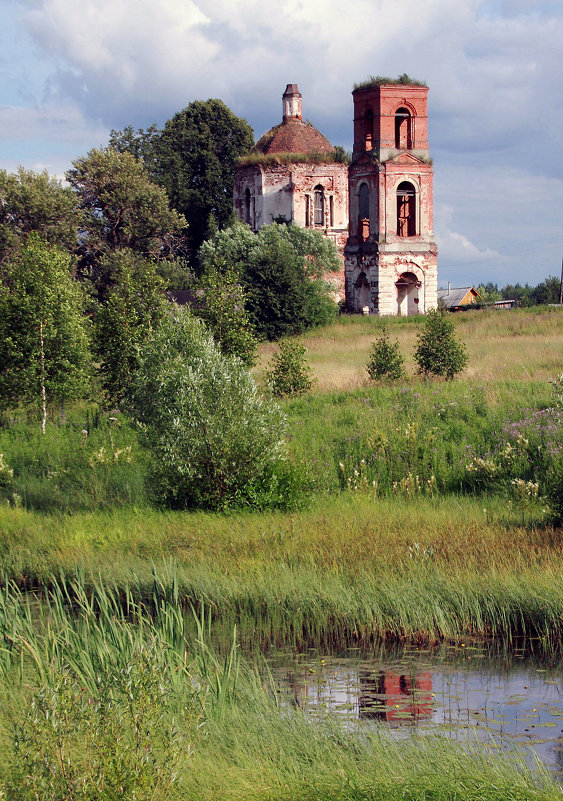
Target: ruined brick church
{"points": [[378, 210]]}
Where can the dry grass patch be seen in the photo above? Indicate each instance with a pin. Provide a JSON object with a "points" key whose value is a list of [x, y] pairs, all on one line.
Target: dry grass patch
{"points": [[524, 344]]}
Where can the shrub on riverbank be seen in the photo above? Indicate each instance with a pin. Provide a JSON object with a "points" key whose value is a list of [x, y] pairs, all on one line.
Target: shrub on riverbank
{"points": [[214, 441]]}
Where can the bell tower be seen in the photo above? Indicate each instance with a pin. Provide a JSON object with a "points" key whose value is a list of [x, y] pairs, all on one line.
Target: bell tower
{"points": [[391, 258]]}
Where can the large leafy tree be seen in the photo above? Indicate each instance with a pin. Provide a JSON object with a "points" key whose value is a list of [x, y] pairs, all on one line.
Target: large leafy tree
{"points": [[44, 355], [193, 157], [140, 143], [34, 201], [281, 269], [134, 308], [548, 291], [122, 208]]}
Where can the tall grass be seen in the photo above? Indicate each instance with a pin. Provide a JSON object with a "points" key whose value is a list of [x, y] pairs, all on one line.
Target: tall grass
{"points": [[427, 516], [90, 460], [510, 345], [350, 569], [100, 669]]}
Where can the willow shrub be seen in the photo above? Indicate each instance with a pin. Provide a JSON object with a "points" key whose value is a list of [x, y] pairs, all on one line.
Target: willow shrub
{"points": [[215, 441]]}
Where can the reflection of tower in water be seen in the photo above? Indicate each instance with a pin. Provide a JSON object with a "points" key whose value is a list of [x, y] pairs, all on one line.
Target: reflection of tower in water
{"points": [[394, 698]]}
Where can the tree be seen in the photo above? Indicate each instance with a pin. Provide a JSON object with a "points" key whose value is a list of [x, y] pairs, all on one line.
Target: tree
{"points": [[489, 292], [134, 308], [220, 301], [281, 269], [44, 353], [290, 373], [438, 351], [34, 201], [139, 143], [385, 359], [122, 209], [194, 159], [215, 441], [522, 294], [547, 291]]}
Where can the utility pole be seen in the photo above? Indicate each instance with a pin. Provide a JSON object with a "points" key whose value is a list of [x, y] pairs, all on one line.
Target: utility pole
{"points": [[561, 285]]}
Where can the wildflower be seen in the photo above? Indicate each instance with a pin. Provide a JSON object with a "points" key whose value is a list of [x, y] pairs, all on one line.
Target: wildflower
{"points": [[4, 469]]}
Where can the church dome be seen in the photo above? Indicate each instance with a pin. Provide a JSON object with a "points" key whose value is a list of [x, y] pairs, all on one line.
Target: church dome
{"points": [[293, 135]]}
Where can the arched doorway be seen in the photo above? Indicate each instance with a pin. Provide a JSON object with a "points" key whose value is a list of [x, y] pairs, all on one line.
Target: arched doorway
{"points": [[407, 294], [403, 129], [362, 291], [363, 212], [319, 205]]}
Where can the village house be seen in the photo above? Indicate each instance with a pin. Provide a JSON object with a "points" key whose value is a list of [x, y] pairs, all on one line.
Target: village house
{"points": [[454, 298], [378, 210]]}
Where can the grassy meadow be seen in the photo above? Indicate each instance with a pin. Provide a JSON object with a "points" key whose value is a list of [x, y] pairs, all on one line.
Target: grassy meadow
{"points": [[503, 345], [420, 513]]}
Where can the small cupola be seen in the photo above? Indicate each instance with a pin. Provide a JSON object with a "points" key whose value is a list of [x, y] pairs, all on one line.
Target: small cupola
{"points": [[292, 103]]}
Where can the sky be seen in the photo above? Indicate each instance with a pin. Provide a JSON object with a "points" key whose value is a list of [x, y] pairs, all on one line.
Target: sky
{"points": [[73, 70]]}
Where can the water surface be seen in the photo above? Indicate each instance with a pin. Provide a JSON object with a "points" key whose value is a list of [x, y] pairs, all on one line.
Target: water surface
{"points": [[503, 699]]}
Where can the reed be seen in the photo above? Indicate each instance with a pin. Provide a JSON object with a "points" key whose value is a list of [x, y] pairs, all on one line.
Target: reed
{"points": [[350, 568], [192, 724]]}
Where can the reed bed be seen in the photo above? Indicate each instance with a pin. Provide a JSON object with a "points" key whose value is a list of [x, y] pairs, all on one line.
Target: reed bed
{"points": [[91, 666], [348, 569]]}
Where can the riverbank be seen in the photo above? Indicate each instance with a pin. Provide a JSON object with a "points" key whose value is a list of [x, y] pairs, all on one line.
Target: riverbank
{"points": [[352, 567]]}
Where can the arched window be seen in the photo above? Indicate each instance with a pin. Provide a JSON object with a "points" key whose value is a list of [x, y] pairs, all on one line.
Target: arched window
{"points": [[368, 129], [403, 129], [247, 213], [406, 209], [319, 205], [363, 211]]}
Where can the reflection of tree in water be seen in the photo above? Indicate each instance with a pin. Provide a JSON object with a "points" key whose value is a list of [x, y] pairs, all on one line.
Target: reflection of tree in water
{"points": [[558, 753], [388, 696], [299, 689]]}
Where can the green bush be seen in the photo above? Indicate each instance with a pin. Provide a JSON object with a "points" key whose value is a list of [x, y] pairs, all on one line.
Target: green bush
{"points": [[290, 374], [438, 351], [130, 744], [213, 438], [219, 300], [385, 359]]}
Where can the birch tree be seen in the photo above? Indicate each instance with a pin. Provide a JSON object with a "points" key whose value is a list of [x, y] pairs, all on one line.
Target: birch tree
{"points": [[44, 355]]}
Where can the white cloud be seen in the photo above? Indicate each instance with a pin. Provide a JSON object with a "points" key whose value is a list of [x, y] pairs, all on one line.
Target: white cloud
{"points": [[493, 67], [498, 224]]}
